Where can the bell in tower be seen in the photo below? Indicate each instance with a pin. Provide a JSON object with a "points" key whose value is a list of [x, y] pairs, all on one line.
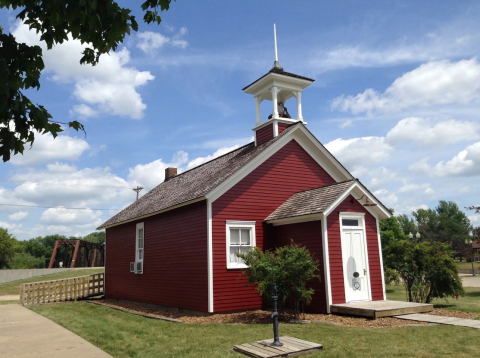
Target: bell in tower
{"points": [[277, 86]]}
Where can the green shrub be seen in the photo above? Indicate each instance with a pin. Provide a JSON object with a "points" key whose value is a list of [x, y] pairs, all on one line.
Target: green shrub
{"points": [[426, 269], [292, 266]]}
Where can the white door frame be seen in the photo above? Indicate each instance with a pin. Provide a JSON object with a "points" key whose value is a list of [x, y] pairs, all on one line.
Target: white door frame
{"points": [[361, 219]]}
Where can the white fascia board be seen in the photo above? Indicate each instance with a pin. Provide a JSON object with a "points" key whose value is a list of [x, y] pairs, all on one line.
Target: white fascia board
{"points": [[326, 262], [378, 211], [309, 143], [209, 256], [295, 219], [381, 260]]}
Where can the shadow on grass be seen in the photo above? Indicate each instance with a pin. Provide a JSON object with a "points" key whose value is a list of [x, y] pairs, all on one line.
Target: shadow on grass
{"points": [[472, 294]]}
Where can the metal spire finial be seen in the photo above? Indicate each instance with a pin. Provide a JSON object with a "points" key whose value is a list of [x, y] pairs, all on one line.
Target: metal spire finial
{"points": [[276, 64]]}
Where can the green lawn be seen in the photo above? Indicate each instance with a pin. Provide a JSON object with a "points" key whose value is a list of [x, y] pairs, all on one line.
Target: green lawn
{"points": [[125, 335], [468, 303], [468, 265], [13, 287]]}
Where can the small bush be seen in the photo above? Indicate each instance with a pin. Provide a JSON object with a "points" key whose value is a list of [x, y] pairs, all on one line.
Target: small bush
{"points": [[292, 266], [426, 268]]}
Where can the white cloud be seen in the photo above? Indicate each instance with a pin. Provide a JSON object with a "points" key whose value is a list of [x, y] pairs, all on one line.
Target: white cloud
{"points": [[465, 163], [46, 148], [62, 216], [64, 185], [359, 152], [150, 42], [427, 133], [433, 83], [152, 174], [200, 160], [388, 199], [18, 216], [346, 123], [109, 87]]}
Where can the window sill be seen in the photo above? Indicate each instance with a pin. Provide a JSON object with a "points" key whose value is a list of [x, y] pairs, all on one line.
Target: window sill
{"points": [[236, 266]]}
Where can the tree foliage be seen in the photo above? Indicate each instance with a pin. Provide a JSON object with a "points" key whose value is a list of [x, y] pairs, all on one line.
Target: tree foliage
{"points": [[426, 268], [291, 266], [23, 260], [9, 246], [102, 25]]}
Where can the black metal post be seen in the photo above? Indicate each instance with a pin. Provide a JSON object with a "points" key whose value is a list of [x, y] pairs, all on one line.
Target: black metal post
{"points": [[276, 338]]}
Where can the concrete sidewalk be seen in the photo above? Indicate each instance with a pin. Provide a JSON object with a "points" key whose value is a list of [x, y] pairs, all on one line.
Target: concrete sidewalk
{"points": [[24, 333], [10, 298], [470, 281], [450, 321]]}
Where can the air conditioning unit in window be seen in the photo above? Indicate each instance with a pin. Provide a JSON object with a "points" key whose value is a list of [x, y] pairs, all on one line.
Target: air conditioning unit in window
{"points": [[132, 266], [139, 267]]}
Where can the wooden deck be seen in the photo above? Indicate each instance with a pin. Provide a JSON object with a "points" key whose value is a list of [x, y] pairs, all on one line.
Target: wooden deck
{"points": [[292, 347], [377, 309]]}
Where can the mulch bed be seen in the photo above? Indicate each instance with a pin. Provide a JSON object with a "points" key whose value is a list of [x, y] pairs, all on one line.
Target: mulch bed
{"points": [[253, 317]]}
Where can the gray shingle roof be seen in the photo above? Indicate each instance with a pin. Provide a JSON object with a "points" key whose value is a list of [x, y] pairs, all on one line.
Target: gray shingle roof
{"points": [[192, 184], [310, 201]]}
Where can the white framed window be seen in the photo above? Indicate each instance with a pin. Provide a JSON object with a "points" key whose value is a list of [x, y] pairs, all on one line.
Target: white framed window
{"points": [[240, 239], [139, 243]]}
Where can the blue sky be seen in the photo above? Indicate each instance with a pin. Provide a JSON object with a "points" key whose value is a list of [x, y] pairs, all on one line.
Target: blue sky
{"points": [[396, 99]]}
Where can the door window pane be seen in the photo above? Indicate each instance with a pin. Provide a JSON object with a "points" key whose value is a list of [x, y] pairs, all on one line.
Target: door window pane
{"points": [[350, 222]]}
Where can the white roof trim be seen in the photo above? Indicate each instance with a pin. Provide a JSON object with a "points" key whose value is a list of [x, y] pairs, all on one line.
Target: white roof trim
{"points": [[295, 219], [379, 211]]}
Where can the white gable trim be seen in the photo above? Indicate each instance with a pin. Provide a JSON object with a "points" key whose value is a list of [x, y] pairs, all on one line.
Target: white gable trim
{"points": [[307, 141], [379, 211]]}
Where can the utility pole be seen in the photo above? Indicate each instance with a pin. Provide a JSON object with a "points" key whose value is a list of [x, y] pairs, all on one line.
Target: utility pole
{"points": [[138, 189]]}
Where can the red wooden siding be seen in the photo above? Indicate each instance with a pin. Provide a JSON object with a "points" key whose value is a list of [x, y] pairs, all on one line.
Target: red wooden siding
{"points": [[308, 234], [282, 127], [175, 263], [289, 170], [264, 134], [335, 251]]}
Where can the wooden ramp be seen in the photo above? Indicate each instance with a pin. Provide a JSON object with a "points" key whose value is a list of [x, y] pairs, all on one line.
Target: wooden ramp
{"points": [[377, 309], [292, 347]]}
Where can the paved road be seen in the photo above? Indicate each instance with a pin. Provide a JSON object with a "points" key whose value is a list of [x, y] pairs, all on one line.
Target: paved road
{"points": [[470, 281], [24, 333]]}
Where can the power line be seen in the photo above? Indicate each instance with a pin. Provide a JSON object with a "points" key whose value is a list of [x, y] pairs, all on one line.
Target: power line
{"points": [[55, 207]]}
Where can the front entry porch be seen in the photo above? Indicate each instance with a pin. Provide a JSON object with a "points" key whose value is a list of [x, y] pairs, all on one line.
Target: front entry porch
{"points": [[377, 309]]}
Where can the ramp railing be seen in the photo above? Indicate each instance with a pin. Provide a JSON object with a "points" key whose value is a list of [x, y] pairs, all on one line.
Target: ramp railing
{"points": [[66, 289]]}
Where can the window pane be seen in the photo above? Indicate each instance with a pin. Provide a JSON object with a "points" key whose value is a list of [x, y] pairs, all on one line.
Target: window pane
{"points": [[233, 256], [245, 249], [245, 237], [234, 236], [350, 222], [140, 233], [140, 254], [140, 243]]}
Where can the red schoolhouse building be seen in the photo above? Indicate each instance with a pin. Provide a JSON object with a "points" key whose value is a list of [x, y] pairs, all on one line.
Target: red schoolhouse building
{"points": [[176, 245]]}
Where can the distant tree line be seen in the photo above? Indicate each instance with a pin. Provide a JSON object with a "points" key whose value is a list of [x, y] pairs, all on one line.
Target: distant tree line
{"points": [[36, 252], [425, 263]]}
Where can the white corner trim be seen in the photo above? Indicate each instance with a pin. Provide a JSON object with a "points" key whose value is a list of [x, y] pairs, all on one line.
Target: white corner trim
{"points": [[295, 219], [209, 256], [381, 260], [326, 262], [253, 241]]}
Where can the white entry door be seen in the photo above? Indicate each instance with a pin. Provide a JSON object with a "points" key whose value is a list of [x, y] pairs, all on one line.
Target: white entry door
{"points": [[354, 257]]}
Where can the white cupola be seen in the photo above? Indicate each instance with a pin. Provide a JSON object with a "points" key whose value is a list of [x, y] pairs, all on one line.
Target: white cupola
{"points": [[277, 86]]}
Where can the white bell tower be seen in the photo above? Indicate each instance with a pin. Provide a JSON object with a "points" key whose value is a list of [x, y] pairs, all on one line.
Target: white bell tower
{"points": [[277, 86]]}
